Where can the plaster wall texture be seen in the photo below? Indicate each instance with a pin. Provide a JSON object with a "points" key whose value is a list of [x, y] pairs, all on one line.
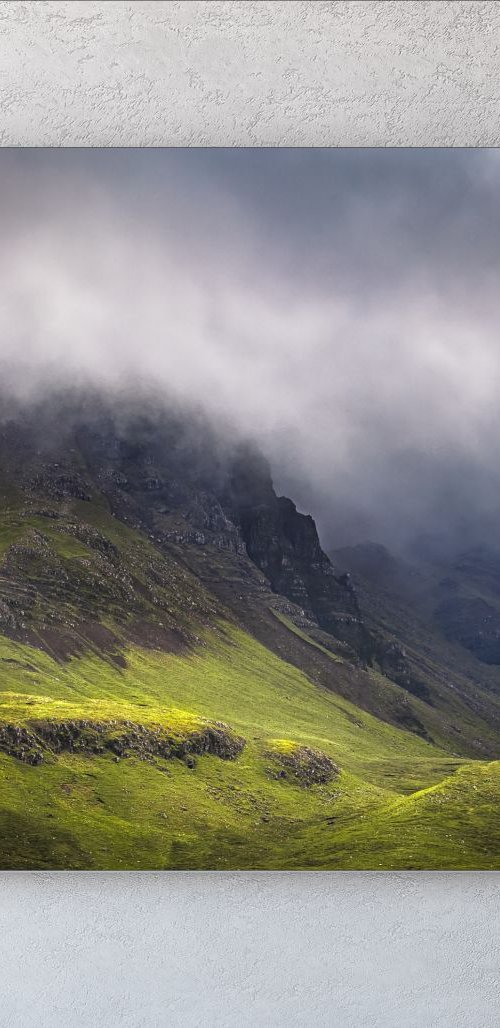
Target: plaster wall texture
{"points": [[401, 950], [81, 72]]}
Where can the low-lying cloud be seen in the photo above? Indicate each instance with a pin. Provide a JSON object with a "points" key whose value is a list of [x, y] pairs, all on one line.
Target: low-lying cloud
{"points": [[340, 306]]}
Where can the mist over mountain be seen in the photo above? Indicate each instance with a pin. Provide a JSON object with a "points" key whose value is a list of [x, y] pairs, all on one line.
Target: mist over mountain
{"points": [[339, 307], [249, 499]]}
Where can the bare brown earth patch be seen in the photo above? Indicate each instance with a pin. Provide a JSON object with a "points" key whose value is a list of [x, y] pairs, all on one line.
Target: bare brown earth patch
{"points": [[153, 636]]}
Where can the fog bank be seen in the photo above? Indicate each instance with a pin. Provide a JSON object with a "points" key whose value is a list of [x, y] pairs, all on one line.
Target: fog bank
{"points": [[342, 307]]}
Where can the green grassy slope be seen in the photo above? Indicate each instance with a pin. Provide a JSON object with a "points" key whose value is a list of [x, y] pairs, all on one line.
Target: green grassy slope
{"points": [[449, 826], [79, 810], [125, 644]]}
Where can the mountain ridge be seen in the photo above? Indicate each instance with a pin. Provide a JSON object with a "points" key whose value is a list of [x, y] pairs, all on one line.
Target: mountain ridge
{"points": [[138, 544]]}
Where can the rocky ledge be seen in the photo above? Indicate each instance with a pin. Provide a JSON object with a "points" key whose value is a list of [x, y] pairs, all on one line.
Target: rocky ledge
{"points": [[301, 765], [32, 741]]}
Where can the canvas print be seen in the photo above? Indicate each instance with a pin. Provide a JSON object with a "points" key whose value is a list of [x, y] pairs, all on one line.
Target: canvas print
{"points": [[249, 509]]}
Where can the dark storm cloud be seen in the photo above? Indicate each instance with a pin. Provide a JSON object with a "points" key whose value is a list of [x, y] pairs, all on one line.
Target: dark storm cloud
{"points": [[343, 306]]}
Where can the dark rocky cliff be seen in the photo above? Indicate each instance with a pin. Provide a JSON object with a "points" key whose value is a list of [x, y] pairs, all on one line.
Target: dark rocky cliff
{"points": [[175, 478], [205, 492], [284, 544]]}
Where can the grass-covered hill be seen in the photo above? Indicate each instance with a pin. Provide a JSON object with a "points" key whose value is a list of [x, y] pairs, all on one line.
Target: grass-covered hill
{"points": [[187, 682]]}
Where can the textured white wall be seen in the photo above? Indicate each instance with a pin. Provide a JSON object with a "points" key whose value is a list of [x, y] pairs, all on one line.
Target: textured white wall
{"points": [[344, 950], [347, 950], [243, 72]]}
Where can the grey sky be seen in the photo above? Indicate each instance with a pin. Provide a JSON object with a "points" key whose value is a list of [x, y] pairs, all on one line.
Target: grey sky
{"points": [[341, 305]]}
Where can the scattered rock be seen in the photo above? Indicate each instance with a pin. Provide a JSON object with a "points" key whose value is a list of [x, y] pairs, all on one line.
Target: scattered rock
{"points": [[302, 765], [21, 743]]}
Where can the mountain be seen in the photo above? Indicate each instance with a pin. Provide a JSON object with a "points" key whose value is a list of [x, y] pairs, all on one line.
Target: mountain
{"points": [[188, 681], [445, 607]]}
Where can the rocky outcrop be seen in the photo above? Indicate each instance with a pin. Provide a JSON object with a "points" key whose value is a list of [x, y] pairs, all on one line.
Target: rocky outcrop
{"points": [[59, 484], [284, 544], [301, 765], [184, 489], [30, 743]]}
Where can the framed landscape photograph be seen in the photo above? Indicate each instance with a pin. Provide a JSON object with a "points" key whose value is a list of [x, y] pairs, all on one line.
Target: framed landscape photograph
{"points": [[249, 509]]}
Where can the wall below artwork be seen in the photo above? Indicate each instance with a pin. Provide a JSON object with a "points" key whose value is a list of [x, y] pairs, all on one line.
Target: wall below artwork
{"points": [[147, 950]]}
